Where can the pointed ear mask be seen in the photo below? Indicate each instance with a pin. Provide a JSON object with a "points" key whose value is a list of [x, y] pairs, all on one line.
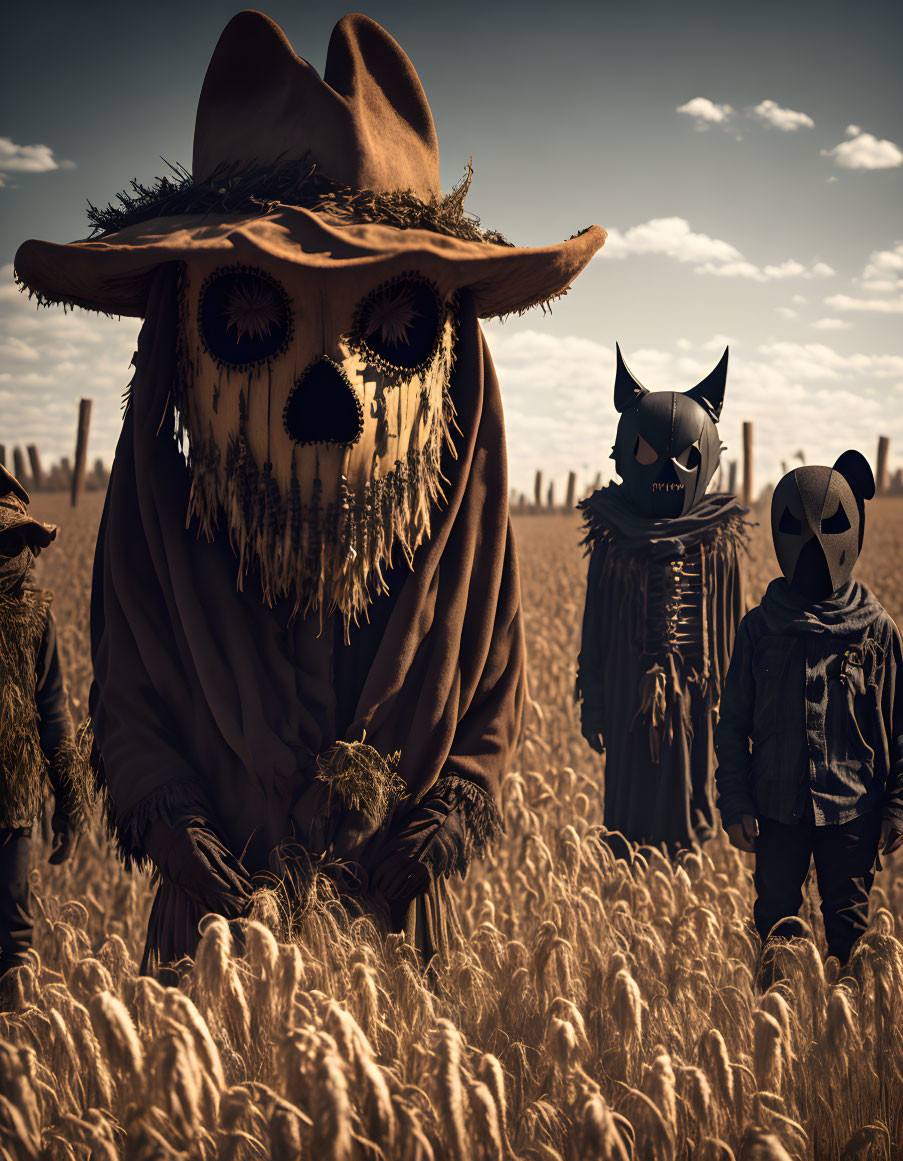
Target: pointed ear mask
{"points": [[857, 472], [628, 389], [709, 393]]}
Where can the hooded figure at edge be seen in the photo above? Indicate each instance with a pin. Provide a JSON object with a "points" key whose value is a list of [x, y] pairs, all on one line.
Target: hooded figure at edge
{"points": [[306, 624]]}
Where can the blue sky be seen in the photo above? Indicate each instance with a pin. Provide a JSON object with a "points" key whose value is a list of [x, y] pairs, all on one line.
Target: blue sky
{"points": [[747, 161]]}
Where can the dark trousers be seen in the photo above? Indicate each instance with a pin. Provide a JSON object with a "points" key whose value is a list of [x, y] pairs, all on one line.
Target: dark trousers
{"points": [[15, 916], [845, 857]]}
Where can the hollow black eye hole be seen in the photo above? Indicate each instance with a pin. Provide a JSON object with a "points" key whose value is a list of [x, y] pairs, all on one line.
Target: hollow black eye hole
{"points": [[836, 522], [643, 452], [244, 316], [690, 458], [790, 524], [399, 324]]}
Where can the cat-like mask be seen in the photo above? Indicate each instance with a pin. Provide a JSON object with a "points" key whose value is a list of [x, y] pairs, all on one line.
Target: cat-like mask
{"points": [[667, 445]]}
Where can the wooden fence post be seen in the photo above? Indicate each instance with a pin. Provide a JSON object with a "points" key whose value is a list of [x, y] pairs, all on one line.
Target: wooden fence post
{"points": [[37, 472], [732, 477], [537, 490], [81, 449], [550, 499], [19, 467], [747, 463], [881, 474], [572, 491]]}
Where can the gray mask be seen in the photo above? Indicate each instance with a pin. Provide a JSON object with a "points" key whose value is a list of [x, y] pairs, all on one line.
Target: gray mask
{"points": [[818, 523]]}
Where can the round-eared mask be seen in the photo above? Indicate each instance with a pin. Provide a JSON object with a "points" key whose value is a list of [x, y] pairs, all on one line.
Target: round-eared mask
{"points": [[818, 522]]}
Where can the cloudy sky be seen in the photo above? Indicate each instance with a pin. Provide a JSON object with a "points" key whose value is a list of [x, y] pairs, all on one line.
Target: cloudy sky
{"points": [[746, 159]]}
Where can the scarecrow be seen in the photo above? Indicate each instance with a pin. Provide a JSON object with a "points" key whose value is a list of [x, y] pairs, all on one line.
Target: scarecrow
{"points": [[663, 601], [306, 623], [37, 751]]}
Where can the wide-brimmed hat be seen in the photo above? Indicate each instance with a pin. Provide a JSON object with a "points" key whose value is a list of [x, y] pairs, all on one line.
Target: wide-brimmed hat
{"points": [[333, 173], [18, 530]]}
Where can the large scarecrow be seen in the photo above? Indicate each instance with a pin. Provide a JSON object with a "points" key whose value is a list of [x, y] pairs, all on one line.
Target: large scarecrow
{"points": [[663, 601], [306, 621]]}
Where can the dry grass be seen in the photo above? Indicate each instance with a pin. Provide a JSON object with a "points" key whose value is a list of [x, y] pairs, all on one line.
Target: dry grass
{"points": [[595, 1012]]}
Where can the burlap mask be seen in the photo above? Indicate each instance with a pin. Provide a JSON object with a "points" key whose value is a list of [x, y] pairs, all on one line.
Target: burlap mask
{"points": [[667, 446], [317, 409]]}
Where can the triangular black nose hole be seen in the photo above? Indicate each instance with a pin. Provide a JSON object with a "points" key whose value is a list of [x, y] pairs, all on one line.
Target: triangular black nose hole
{"points": [[323, 407]]}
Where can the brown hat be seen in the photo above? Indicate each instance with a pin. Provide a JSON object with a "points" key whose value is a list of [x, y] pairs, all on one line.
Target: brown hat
{"points": [[339, 172], [18, 530]]}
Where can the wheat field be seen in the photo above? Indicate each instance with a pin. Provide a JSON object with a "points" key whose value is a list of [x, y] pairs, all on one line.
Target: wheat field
{"points": [[594, 1011]]}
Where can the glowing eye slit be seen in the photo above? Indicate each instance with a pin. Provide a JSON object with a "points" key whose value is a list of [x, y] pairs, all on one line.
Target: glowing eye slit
{"points": [[241, 302], [404, 293]]}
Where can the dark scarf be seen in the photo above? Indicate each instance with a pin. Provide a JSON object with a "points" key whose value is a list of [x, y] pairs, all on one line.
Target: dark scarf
{"points": [[203, 691], [848, 613], [608, 512]]}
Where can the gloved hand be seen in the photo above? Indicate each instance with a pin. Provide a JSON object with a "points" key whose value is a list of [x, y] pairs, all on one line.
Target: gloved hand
{"points": [[190, 855], [591, 729], [891, 836], [743, 834], [64, 833], [431, 841]]}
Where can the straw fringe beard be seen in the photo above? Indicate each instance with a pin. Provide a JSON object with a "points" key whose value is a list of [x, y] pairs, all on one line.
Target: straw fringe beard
{"points": [[325, 556]]}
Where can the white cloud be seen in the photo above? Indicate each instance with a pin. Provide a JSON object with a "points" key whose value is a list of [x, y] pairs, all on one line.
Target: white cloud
{"points": [[881, 282], [864, 151], [28, 159], [787, 120], [799, 299], [884, 270], [674, 238], [50, 360], [832, 324], [706, 112], [876, 305], [786, 311]]}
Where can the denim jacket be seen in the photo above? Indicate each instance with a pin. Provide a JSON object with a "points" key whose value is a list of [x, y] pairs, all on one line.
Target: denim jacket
{"points": [[812, 711]]}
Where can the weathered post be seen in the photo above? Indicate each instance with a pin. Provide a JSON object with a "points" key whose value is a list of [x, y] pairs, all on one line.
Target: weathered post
{"points": [[66, 473], [37, 472], [537, 490], [550, 499], [81, 449], [881, 474], [747, 463], [571, 492], [19, 467], [732, 477]]}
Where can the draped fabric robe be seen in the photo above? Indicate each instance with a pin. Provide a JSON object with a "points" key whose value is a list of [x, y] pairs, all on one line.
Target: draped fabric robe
{"points": [[206, 697]]}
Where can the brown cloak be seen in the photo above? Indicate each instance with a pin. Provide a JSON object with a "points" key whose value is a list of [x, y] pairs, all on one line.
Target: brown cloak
{"points": [[205, 695]]}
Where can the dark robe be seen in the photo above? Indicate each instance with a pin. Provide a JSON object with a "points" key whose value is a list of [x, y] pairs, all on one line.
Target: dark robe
{"points": [[663, 602], [206, 699]]}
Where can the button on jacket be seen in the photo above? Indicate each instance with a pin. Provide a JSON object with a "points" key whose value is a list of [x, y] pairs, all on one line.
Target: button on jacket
{"points": [[812, 711]]}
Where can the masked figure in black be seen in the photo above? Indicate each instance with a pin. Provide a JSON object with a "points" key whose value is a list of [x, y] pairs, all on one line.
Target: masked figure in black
{"points": [[810, 741], [663, 600]]}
